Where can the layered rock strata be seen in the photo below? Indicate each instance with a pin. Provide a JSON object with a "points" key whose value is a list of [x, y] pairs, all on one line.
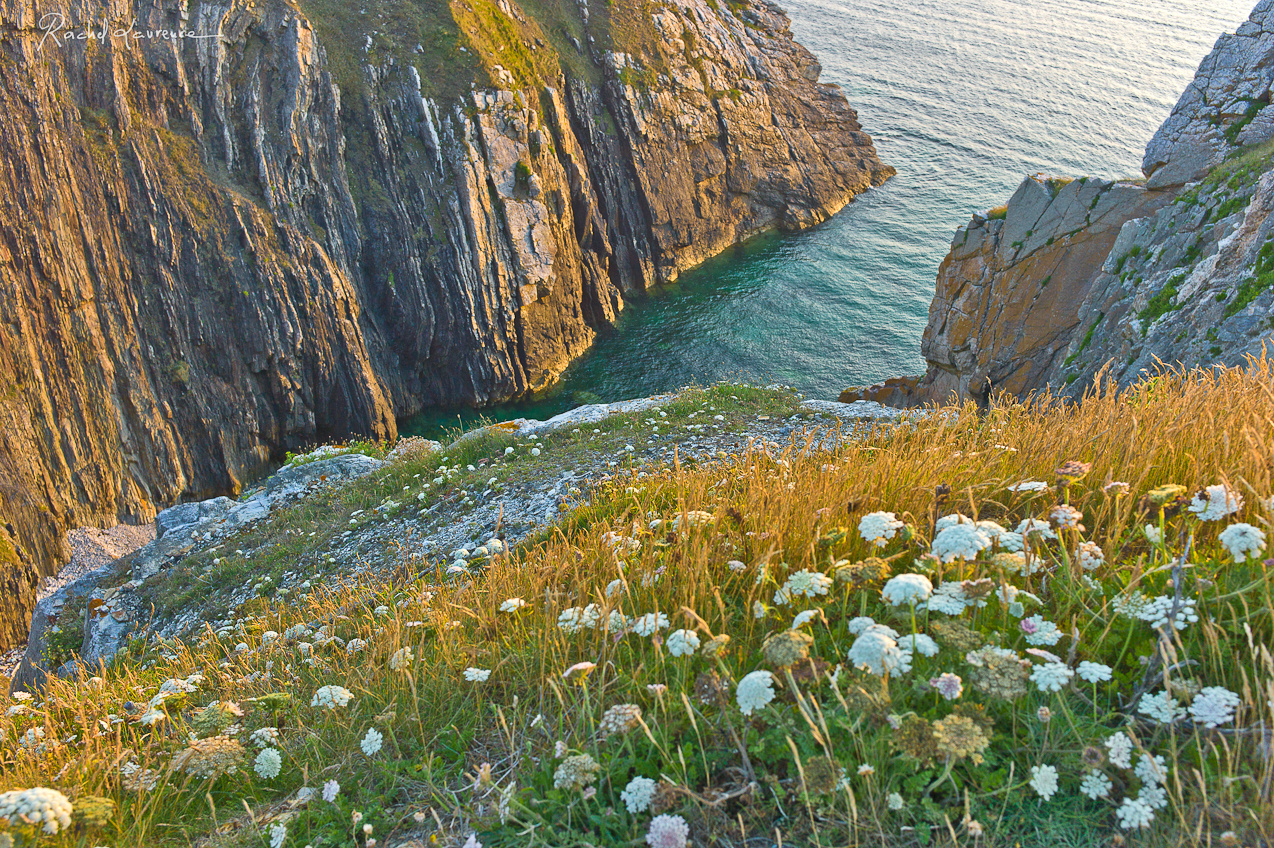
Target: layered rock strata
{"points": [[299, 221]]}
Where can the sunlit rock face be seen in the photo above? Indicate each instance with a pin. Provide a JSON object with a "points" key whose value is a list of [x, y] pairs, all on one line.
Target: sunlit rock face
{"points": [[1078, 281], [302, 221]]}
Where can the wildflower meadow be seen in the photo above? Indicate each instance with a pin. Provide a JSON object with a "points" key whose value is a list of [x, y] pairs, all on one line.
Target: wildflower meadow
{"points": [[1043, 624]]}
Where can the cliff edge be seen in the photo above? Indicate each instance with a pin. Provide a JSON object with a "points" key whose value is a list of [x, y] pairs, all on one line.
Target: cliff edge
{"points": [[1078, 280], [233, 229]]}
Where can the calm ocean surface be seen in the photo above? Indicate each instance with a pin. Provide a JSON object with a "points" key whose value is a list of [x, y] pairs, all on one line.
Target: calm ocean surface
{"points": [[964, 98]]}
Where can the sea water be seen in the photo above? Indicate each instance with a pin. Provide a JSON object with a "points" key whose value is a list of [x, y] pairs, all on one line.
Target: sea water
{"points": [[965, 98]]}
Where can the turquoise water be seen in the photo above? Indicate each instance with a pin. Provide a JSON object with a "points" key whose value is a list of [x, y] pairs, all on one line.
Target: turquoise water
{"points": [[964, 98]]}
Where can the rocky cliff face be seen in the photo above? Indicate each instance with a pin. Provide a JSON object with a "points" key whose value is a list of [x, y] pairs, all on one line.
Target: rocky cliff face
{"points": [[1076, 279], [298, 221]]}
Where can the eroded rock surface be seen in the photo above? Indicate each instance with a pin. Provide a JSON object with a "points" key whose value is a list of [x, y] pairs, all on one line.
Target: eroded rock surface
{"points": [[306, 220], [1076, 281]]}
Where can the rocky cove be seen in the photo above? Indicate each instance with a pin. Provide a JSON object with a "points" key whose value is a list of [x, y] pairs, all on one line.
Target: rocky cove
{"points": [[308, 220], [1071, 281]]}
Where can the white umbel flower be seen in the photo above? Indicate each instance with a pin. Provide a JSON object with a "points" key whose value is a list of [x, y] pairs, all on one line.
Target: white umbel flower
{"points": [[1094, 672], [477, 675], [638, 794], [1051, 676], [268, 764], [1151, 769], [907, 589], [46, 809], [512, 605], [1153, 534], [401, 660], [1119, 747], [1095, 785], [1035, 529], [1134, 814], [331, 697], [877, 652], [683, 643], [372, 742], [649, 624], [755, 690], [948, 599], [960, 541], [1032, 486], [1243, 541], [1215, 502], [1214, 706], [806, 583], [575, 619], [1162, 707], [919, 643], [879, 527], [1044, 781], [1091, 556]]}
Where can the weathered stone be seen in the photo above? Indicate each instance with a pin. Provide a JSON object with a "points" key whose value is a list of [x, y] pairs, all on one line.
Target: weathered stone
{"points": [[176, 516], [233, 257]]}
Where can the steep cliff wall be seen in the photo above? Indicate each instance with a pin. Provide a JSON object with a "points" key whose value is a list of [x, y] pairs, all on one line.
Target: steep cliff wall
{"points": [[1075, 279], [302, 220]]}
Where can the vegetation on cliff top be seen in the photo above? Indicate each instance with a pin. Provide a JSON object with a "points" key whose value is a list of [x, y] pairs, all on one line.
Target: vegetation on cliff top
{"points": [[1000, 629]]}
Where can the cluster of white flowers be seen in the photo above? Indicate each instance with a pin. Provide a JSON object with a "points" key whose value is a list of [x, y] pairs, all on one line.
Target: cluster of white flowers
{"points": [[331, 697], [1119, 748], [668, 832], [512, 605], [1094, 672], [1214, 706], [268, 764], [919, 643], [682, 643], [1091, 557], [948, 685], [1162, 707], [1243, 541], [948, 599], [1153, 534], [755, 690], [372, 741], [804, 583], [264, 737], [906, 589], [1044, 781], [47, 809], [879, 527], [575, 619], [960, 541], [1033, 528], [1051, 676], [649, 624], [1029, 486], [1215, 502], [476, 675], [638, 794], [401, 660], [1066, 517], [1040, 631], [1095, 785], [1159, 611], [877, 651], [1134, 813]]}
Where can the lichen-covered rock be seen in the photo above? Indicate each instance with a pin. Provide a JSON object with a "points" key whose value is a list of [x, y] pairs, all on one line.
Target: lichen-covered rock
{"points": [[291, 228]]}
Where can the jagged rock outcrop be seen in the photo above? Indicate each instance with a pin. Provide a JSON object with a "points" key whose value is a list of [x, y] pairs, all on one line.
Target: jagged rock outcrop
{"points": [[301, 220], [1079, 279]]}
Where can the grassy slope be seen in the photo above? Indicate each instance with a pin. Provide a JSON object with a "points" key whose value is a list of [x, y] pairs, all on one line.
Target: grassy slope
{"points": [[460, 757]]}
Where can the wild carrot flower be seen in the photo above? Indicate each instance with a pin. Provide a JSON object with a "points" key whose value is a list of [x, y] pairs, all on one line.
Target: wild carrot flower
{"points": [[682, 643], [1161, 707], [512, 605], [808, 584], [879, 527], [331, 697], [1091, 556], [638, 794], [1134, 813], [476, 675], [1215, 502], [620, 718], [401, 660], [1029, 486], [1051, 676], [372, 742], [330, 790], [755, 690], [650, 623], [1214, 706], [960, 541], [1243, 541], [268, 764], [1093, 672], [906, 589], [1095, 785], [1044, 781], [948, 685], [1120, 748], [668, 832], [576, 772]]}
